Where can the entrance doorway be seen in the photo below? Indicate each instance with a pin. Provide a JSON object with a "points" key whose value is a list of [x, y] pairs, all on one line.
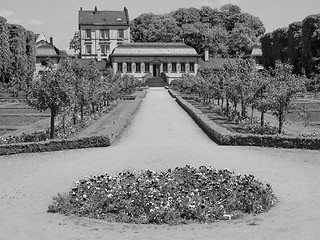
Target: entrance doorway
{"points": [[156, 70]]}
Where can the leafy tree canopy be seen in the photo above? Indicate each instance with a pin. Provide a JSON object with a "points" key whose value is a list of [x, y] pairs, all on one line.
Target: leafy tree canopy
{"points": [[201, 28]]}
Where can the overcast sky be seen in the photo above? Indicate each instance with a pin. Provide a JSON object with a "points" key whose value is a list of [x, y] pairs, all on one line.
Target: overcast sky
{"points": [[59, 18]]}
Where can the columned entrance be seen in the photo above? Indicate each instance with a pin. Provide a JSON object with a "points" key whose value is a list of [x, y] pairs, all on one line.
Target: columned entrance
{"points": [[156, 70]]}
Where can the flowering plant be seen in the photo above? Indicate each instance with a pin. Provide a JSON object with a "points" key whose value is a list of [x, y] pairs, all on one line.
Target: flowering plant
{"points": [[174, 196]]}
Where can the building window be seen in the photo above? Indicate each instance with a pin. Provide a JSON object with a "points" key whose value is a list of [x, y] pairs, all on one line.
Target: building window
{"points": [[147, 67], [88, 49], [120, 67], [104, 49], [183, 67], [120, 34], [165, 67], [138, 67], [129, 67], [104, 34], [191, 67], [174, 67], [88, 34]]}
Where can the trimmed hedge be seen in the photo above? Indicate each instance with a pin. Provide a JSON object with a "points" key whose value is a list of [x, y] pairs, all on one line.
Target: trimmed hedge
{"points": [[223, 136], [55, 145], [105, 140]]}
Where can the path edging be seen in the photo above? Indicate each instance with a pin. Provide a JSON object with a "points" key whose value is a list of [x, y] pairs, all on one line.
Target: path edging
{"points": [[223, 136], [103, 140]]}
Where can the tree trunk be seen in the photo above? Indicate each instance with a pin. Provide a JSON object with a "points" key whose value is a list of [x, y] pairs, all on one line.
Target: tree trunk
{"points": [[262, 119], [52, 123], [280, 123], [92, 106], [81, 111], [227, 106], [64, 124], [243, 109]]}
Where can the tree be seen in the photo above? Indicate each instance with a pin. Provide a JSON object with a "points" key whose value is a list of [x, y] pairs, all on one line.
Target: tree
{"points": [[94, 79], [241, 38], [5, 53], [163, 29], [311, 44], [139, 27], [31, 56], [267, 50], [51, 91], [75, 42], [18, 70], [186, 16], [284, 85], [280, 44], [294, 49]]}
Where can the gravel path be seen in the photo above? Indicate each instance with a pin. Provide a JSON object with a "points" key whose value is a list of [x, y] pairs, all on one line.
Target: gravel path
{"points": [[160, 136]]}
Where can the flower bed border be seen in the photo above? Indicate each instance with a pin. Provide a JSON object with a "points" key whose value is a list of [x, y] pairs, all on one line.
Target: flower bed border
{"points": [[223, 136], [104, 140]]}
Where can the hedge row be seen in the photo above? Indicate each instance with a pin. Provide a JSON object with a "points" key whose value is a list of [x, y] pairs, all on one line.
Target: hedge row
{"points": [[223, 136], [55, 145], [105, 140]]}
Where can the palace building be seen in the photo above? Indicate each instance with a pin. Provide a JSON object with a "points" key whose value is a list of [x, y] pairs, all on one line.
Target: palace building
{"points": [[105, 36], [167, 60]]}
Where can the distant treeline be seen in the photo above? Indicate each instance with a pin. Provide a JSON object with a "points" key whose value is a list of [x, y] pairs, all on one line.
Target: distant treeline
{"points": [[298, 44], [17, 55], [226, 32]]}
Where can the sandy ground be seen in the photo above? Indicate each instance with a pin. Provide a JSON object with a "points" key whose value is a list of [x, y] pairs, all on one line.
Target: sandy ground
{"points": [[161, 136]]}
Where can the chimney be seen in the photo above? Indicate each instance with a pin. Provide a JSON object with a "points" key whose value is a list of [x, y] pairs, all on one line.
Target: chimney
{"points": [[206, 54], [95, 9], [99, 55], [51, 40], [80, 8]]}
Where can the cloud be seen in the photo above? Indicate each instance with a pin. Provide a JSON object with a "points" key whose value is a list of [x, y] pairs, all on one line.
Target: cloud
{"points": [[223, 2], [219, 3], [35, 22], [16, 21], [6, 13]]}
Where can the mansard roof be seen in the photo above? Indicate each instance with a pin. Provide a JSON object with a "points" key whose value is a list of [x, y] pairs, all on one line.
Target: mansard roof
{"points": [[154, 49], [104, 17]]}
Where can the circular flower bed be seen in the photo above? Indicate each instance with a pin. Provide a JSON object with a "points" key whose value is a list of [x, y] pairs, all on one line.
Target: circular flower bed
{"points": [[175, 196]]}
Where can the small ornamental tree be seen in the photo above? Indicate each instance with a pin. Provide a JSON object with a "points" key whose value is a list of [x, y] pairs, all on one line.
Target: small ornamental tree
{"points": [[75, 42], [94, 78], [50, 91], [284, 85]]}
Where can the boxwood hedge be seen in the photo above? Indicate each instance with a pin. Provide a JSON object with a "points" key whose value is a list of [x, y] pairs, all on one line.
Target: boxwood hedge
{"points": [[223, 136]]}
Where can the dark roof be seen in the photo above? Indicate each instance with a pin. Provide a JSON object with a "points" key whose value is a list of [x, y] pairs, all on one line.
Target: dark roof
{"points": [[255, 51], [154, 49], [104, 17], [45, 49], [214, 63]]}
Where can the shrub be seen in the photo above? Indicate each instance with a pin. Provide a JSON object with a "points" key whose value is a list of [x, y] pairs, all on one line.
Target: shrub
{"points": [[174, 196]]}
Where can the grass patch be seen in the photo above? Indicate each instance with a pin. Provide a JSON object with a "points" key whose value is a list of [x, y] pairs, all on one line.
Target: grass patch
{"points": [[175, 196]]}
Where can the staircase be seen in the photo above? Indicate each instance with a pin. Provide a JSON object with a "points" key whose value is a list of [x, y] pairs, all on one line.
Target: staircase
{"points": [[155, 82]]}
